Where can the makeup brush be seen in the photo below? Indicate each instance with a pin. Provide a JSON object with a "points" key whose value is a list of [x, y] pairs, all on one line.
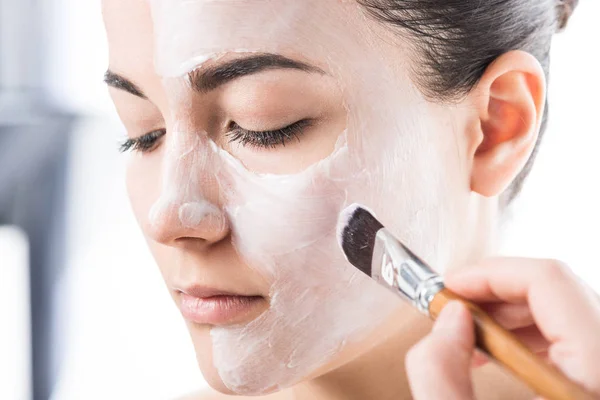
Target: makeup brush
{"points": [[375, 251]]}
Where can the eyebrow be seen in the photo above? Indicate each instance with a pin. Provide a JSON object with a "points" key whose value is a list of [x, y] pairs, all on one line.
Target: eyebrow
{"points": [[119, 82], [210, 78], [206, 79]]}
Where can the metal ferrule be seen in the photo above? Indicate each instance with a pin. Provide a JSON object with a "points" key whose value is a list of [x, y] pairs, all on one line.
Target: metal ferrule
{"points": [[403, 272]]}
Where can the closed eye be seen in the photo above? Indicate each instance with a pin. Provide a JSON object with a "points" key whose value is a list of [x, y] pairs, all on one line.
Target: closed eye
{"points": [[259, 139], [268, 139], [145, 143]]}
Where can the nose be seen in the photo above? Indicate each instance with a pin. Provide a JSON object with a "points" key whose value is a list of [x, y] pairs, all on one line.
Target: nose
{"points": [[184, 211], [175, 222]]}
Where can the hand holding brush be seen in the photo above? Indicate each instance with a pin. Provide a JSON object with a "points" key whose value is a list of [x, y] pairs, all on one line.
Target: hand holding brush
{"points": [[375, 251], [540, 301]]}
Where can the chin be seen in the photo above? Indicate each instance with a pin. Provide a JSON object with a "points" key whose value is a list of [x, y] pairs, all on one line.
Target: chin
{"points": [[202, 342], [203, 346], [200, 335], [211, 376], [204, 357], [214, 381]]}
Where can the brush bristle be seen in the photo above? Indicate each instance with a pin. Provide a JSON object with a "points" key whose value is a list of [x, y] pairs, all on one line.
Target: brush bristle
{"points": [[357, 229]]}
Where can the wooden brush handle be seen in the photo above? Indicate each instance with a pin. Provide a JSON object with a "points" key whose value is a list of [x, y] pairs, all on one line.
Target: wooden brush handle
{"points": [[503, 346]]}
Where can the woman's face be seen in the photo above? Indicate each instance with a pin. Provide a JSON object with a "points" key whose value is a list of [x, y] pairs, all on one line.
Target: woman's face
{"points": [[253, 124]]}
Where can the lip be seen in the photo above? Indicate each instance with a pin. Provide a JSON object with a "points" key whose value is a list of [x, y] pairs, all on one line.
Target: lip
{"points": [[209, 306]]}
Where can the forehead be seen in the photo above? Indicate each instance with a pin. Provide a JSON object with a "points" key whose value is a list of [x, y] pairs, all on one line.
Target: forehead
{"points": [[130, 36], [178, 35], [205, 28]]}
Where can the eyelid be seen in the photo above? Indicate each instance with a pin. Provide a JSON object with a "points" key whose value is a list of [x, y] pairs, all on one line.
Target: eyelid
{"points": [[302, 122], [269, 138]]}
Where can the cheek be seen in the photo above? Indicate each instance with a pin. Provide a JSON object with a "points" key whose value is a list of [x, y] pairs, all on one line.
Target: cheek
{"points": [[285, 228]]}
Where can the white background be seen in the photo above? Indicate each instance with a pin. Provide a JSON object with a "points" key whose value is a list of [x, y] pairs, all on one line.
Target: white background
{"points": [[125, 338]]}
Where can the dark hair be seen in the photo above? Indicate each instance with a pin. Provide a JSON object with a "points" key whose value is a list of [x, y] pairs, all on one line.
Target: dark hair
{"points": [[456, 40]]}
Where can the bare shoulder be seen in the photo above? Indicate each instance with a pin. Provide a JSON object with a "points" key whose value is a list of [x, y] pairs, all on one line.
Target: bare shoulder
{"points": [[213, 395]]}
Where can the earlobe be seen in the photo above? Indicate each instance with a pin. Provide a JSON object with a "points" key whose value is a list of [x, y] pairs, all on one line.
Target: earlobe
{"points": [[511, 97]]}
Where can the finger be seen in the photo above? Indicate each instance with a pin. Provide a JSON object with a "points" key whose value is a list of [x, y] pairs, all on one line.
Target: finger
{"points": [[531, 337], [479, 359], [510, 316], [499, 279], [566, 312], [444, 357], [558, 302], [544, 356], [578, 361]]}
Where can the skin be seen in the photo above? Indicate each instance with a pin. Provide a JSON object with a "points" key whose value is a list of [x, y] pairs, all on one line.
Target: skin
{"points": [[541, 301], [498, 126]]}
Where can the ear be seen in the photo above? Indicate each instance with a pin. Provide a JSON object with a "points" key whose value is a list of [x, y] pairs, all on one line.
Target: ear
{"points": [[510, 100]]}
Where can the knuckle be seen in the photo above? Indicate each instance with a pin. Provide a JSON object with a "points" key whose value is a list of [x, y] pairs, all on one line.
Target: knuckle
{"points": [[556, 270]]}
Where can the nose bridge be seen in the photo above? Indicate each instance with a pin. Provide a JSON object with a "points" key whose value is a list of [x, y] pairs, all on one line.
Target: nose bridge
{"points": [[188, 202], [189, 167]]}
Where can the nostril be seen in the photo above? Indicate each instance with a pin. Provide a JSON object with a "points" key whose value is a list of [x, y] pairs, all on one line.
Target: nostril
{"points": [[203, 220], [171, 221]]}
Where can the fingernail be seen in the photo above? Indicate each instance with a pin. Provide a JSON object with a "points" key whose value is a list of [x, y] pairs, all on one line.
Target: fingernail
{"points": [[450, 321]]}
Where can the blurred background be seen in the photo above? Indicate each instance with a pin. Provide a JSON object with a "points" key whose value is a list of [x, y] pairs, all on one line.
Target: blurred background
{"points": [[83, 311]]}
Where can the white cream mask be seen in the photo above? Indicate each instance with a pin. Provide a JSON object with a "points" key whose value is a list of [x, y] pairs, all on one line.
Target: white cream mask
{"points": [[284, 226]]}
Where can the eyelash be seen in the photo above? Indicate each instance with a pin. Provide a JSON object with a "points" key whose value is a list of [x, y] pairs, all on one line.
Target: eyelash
{"points": [[145, 143], [258, 139], [267, 139]]}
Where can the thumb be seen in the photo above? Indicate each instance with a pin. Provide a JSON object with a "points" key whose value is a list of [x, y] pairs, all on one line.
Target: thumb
{"points": [[439, 367]]}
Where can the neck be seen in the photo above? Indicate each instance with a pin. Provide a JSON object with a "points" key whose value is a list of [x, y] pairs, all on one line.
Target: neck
{"points": [[377, 374]]}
